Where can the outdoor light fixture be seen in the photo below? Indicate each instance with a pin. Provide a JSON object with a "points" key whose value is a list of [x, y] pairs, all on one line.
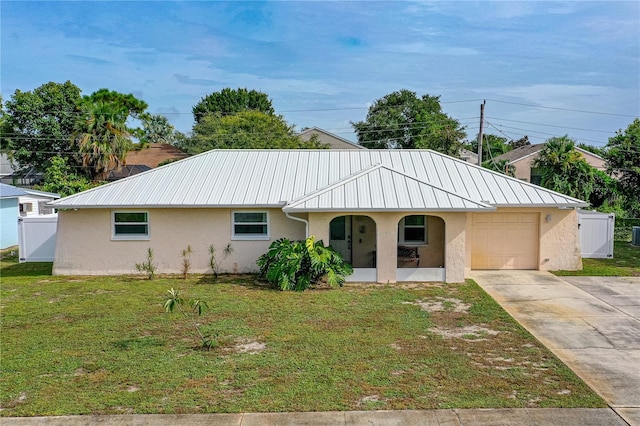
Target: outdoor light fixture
{"points": [[548, 218]]}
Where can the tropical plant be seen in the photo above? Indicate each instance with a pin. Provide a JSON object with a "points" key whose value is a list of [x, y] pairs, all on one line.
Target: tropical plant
{"points": [[564, 169], [214, 263], [295, 265], [102, 138], [157, 129], [197, 309], [148, 266]]}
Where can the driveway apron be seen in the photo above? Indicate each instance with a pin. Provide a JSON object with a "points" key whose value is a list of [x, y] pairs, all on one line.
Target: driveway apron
{"points": [[591, 323]]}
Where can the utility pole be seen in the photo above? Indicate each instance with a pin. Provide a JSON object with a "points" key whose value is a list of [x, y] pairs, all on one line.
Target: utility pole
{"points": [[480, 132]]}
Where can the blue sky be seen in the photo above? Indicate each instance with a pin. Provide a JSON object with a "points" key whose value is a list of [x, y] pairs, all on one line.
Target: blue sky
{"points": [[538, 64]]}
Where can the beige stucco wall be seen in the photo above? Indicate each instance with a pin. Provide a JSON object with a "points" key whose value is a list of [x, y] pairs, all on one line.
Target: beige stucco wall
{"points": [[84, 245], [559, 247], [387, 240]]}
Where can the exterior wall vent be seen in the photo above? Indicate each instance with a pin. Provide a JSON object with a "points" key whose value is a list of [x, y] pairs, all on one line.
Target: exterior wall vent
{"points": [[635, 236]]}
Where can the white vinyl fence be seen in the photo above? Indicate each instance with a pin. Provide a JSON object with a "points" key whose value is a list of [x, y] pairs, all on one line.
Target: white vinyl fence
{"points": [[37, 238], [596, 234]]}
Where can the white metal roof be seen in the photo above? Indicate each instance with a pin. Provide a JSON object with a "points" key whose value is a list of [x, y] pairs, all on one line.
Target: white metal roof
{"points": [[274, 178], [381, 188]]}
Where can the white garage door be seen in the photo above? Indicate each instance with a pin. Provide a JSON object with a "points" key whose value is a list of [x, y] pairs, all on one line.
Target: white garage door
{"points": [[504, 241]]}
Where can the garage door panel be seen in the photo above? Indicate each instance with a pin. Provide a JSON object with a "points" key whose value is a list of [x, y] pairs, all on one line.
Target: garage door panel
{"points": [[504, 241]]}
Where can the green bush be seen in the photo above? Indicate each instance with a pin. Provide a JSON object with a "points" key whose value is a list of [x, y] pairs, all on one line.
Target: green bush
{"points": [[295, 265]]}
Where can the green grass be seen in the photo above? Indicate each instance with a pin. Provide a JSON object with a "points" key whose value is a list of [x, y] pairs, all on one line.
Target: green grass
{"points": [[625, 263], [104, 345]]}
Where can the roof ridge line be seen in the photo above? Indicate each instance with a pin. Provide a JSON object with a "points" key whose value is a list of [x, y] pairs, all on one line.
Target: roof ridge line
{"points": [[333, 185]]}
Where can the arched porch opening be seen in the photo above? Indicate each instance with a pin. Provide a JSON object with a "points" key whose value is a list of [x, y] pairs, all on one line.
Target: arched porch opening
{"points": [[421, 248], [354, 237]]}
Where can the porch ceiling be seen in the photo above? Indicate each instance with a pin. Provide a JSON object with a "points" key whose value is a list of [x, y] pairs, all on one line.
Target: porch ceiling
{"points": [[380, 188]]}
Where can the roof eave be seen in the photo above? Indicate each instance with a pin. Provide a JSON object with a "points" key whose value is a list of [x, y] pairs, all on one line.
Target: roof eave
{"points": [[382, 210]]}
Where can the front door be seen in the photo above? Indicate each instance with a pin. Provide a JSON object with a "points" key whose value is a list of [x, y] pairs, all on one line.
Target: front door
{"points": [[340, 236]]}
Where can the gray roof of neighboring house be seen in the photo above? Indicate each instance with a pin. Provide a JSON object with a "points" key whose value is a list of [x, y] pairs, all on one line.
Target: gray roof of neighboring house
{"points": [[520, 152], [44, 194], [8, 191], [527, 150], [275, 178]]}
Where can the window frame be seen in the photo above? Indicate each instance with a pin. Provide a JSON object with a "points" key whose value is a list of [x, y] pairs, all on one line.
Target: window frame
{"points": [[401, 233], [130, 237], [250, 237]]}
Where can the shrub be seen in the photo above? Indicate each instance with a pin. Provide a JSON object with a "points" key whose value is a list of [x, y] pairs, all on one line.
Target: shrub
{"points": [[295, 265], [148, 265]]}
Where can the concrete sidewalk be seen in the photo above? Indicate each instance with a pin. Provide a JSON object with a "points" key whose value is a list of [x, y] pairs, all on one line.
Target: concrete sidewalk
{"points": [[591, 323], [478, 417]]}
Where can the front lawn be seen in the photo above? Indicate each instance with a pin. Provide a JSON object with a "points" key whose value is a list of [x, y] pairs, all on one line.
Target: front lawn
{"points": [[104, 345], [625, 263]]}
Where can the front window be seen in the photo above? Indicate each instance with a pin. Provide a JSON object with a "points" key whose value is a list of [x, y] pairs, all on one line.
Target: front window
{"points": [[413, 230], [250, 226], [130, 225]]}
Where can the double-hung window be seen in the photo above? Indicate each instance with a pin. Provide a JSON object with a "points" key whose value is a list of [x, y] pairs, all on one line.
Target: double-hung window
{"points": [[130, 225], [412, 230], [250, 225]]}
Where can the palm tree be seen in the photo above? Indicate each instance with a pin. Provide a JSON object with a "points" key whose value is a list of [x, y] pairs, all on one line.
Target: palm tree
{"points": [[564, 169], [102, 138]]}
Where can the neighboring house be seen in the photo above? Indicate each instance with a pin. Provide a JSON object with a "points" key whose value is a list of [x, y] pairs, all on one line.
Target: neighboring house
{"points": [[34, 203], [126, 171], [334, 141], [468, 156], [9, 213], [6, 167], [396, 215], [150, 157], [522, 159]]}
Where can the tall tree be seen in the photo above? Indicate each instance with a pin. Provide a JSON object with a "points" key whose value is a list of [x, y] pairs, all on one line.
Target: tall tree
{"points": [[402, 120], [38, 125], [127, 104], [157, 129], [564, 169], [623, 159], [102, 138], [244, 130], [231, 101]]}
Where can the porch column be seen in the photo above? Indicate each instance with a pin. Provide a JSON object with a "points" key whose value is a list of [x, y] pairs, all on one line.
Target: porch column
{"points": [[386, 247], [455, 243], [319, 226]]}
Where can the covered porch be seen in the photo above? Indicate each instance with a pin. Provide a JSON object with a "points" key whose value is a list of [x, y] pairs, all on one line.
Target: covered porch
{"points": [[392, 227]]}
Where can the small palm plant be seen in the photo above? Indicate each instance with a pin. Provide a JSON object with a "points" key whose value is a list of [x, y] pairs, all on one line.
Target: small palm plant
{"points": [[175, 301]]}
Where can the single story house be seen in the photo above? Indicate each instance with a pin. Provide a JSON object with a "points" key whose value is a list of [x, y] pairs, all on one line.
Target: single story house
{"points": [[9, 213], [328, 138], [396, 215], [522, 159], [34, 202]]}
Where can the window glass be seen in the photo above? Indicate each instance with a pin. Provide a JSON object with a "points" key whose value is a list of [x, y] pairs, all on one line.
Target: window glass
{"points": [[250, 225], [250, 217], [130, 225], [413, 230]]}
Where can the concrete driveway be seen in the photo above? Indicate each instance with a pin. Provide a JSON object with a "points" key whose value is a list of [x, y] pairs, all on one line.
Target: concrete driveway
{"points": [[591, 323]]}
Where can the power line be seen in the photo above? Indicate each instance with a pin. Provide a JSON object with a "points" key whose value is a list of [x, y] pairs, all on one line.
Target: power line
{"points": [[563, 109]]}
